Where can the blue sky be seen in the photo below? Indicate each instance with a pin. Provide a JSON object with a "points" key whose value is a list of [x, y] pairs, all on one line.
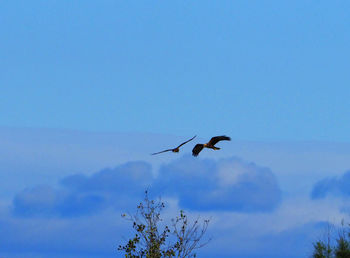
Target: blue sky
{"points": [[90, 88], [262, 70]]}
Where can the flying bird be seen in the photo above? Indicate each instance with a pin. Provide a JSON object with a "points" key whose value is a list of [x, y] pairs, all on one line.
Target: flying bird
{"points": [[177, 149], [211, 144]]}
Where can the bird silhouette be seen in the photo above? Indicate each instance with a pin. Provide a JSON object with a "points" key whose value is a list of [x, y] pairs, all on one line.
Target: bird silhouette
{"points": [[177, 149], [211, 144]]}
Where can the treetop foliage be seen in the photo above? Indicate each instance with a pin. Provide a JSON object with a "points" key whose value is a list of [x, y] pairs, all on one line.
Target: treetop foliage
{"points": [[180, 239]]}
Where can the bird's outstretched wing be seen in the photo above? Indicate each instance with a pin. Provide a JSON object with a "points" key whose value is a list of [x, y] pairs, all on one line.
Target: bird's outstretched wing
{"points": [[216, 139], [186, 141], [161, 152], [197, 149]]}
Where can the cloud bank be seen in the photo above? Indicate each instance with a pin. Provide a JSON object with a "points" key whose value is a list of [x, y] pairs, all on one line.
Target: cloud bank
{"points": [[335, 186], [80, 195], [80, 216], [224, 185]]}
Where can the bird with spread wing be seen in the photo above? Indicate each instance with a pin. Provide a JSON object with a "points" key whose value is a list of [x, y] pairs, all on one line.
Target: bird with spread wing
{"points": [[177, 149], [211, 144]]}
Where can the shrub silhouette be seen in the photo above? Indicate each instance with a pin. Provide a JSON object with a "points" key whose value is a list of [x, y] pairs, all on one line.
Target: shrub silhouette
{"points": [[151, 240]]}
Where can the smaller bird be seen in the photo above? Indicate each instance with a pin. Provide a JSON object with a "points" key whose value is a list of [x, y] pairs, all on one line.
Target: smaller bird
{"points": [[211, 144], [177, 149]]}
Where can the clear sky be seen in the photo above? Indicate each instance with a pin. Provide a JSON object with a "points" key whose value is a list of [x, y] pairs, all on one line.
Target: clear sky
{"points": [[257, 70], [88, 89]]}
